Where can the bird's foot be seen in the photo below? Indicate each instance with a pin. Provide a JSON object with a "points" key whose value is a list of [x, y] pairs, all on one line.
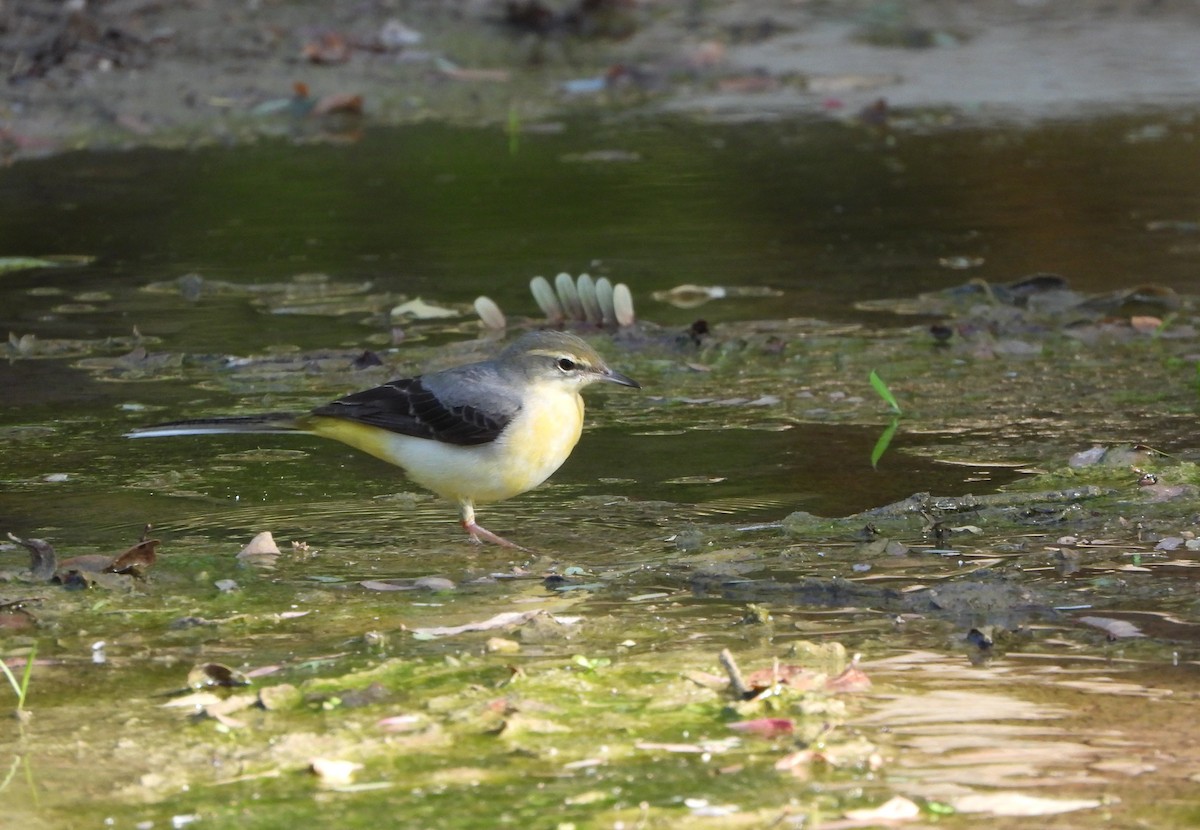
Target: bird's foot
{"points": [[480, 534]]}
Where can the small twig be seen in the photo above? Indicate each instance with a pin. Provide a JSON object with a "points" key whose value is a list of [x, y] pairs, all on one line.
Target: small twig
{"points": [[735, 675]]}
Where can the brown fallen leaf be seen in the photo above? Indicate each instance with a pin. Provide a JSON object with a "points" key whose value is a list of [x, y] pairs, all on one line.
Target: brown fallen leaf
{"points": [[794, 677], [135, 561]]}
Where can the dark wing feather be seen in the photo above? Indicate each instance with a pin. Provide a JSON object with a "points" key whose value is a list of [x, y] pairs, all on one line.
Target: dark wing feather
{"points": [[409, 407]]}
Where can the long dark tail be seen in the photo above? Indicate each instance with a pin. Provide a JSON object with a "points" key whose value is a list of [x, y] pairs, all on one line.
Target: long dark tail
{"points": [[270, 422]]}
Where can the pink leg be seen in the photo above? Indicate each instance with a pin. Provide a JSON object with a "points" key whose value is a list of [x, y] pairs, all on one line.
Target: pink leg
{"points": [[480, 534]]}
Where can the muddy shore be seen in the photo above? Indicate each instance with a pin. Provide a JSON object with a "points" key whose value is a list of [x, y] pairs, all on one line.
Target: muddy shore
{"points": [[118, 73]]}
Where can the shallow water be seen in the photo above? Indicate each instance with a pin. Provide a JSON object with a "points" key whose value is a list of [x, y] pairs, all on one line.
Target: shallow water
{"points": [[663, 524], [826, 214]]}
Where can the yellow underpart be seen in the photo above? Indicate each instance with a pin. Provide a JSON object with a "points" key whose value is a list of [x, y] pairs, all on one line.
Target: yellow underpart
{"points": [[526, 453]]}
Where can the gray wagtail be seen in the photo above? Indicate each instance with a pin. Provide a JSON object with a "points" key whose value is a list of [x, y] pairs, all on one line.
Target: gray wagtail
{"points": [[477, 433]]}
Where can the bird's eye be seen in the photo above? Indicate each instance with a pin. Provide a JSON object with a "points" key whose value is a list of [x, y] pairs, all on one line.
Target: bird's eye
{"points": [[565, 364]]}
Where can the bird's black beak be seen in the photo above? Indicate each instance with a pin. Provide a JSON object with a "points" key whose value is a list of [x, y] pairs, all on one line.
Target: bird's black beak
{"points": [[617, 377]]}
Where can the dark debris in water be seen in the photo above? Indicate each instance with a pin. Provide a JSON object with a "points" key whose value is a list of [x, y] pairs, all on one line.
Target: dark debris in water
{"points": [[83, 570], [1036, 303]]}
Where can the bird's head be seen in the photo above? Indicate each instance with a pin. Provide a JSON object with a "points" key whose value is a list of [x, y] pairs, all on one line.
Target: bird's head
{"points": [[556, 356]]}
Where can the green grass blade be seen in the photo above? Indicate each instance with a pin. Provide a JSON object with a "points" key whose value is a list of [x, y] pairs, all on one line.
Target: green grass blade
{"points": [[12, 678], [881, 388], [885, 440], [20, 687]]}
